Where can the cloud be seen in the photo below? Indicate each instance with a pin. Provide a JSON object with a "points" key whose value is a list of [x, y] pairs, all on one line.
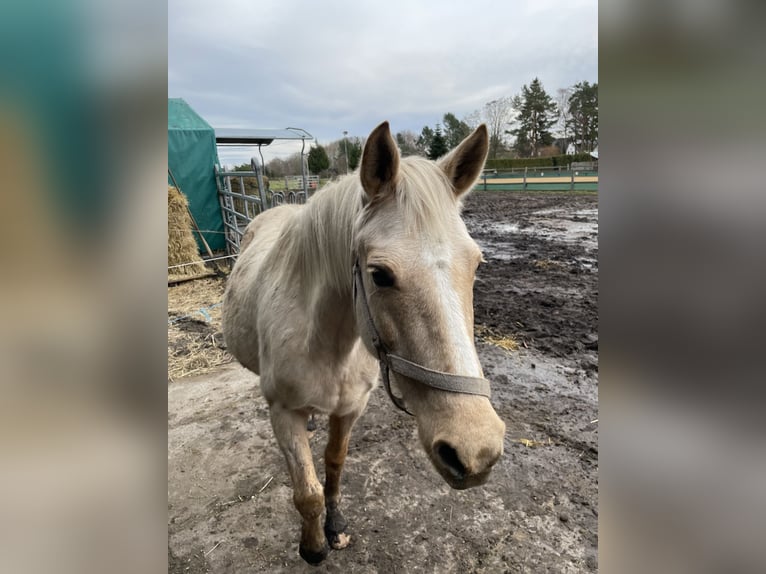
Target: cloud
{"points": [[338, 65]]}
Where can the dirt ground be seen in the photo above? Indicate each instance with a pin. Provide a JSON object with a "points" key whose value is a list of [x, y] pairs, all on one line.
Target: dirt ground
{"points": [[229, 498]]}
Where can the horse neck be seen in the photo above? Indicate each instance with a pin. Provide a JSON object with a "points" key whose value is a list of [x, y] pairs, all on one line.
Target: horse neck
{"points": [[323, 252]]}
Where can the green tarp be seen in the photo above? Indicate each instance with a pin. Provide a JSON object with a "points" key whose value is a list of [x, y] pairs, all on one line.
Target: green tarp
{"points": [[192, 157]]}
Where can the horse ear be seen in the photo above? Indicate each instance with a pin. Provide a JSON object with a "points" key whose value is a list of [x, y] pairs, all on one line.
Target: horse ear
{"points": [[380, 161], [464, 164]]}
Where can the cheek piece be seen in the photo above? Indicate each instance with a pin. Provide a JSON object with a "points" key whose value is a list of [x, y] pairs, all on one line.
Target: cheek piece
{"points": [[389, 362]]}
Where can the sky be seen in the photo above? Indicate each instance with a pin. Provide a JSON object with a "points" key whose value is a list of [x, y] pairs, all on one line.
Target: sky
{"points": [[339, 65]]}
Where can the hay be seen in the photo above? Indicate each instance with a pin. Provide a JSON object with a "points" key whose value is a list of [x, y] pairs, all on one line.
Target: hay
{"points": [[531, 443], [506, 342], [182, 247], [249, 188], [547, 264], [195, 341]]}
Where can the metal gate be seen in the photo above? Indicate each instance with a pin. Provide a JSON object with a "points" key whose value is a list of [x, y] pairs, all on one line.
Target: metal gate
{"points": [[238, 207], [245, 194]]}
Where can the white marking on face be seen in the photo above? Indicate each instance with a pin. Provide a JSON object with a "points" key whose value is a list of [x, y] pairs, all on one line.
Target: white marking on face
{"points": [[439, 259]]}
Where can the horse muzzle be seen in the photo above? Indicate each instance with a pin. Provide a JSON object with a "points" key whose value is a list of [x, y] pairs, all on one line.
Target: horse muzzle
{"points": [[465, 446]]}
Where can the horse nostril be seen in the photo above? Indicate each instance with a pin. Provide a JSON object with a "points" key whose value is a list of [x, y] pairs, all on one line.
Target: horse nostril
{"points": [[449, 458]]}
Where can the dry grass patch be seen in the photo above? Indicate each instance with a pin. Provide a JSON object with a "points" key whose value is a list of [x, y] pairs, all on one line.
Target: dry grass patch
{"points": [[507, 342], [546, 264], [532, 443], [195, 340]]}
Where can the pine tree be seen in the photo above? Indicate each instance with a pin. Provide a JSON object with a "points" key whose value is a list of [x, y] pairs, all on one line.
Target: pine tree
{"points": [[583, 115], [318, 160], [424, 140], [537, 114], [455, 130], [354, 146], [438, 145]]}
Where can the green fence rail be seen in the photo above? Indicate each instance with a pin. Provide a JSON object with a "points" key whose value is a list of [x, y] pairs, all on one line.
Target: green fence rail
{"points": [[540, 179]]}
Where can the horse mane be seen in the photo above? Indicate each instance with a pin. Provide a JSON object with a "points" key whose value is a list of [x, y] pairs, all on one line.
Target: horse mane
{"points": [[319, 241], [425, 197]]}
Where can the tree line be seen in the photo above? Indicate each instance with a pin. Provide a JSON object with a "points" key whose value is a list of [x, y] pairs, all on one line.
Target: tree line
{"points": [[529, 124]]}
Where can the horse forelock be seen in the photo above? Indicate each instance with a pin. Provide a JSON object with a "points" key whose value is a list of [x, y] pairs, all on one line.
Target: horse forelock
{"points": [[424, 197], [322, 241]]}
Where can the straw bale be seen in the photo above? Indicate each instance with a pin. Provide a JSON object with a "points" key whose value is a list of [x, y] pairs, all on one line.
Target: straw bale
{"points": [[182, 247]]}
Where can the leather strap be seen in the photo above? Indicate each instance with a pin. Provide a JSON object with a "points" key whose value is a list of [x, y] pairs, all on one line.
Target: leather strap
{"points": [[437, 379]]}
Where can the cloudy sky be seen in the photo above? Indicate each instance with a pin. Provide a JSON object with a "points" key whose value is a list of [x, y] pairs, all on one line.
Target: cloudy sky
{"points": [[342, 65]]}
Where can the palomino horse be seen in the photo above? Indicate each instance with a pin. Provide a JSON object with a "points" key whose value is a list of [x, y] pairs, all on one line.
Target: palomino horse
{"points": [[374, 275]]}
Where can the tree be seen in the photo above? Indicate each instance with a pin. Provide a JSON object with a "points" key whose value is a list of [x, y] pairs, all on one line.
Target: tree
{"points": [[438, 145], [455, 130], [537, 113], [354, 146], [278, 167], [407, 142], [583, 112], [473, 119], [424, 141], [563, 122], [338, 149], [318, 160], [497, 114]]}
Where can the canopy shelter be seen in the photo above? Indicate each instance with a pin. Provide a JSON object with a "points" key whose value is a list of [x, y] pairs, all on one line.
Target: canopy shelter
{"points": [[193, 162], [192, 159], [261, 137], [238, 136]]}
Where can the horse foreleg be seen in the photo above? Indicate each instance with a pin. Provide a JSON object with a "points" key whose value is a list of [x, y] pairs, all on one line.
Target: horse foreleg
{"points": [[334, 458], [290, 430]]}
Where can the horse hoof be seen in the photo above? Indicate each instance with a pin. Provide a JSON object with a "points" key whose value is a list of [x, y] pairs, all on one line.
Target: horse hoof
{"points": [[340, 540], [313, 557], [335, 529]]}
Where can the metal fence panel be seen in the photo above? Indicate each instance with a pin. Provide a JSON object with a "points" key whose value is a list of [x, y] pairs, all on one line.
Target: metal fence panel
{"points": [[239, 208]]}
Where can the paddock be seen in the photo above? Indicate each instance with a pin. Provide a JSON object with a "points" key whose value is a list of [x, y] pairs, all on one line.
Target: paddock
{"points": [[230, 503]]}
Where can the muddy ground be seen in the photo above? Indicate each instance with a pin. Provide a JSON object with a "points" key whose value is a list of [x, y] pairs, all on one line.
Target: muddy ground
{"points": [[229, 498]]}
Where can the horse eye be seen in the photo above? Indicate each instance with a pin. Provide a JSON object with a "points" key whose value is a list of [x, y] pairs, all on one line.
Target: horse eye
{"points": [[382, 277]]}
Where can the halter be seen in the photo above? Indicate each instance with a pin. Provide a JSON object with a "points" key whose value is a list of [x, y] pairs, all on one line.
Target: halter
{"points": [[390, 362]]}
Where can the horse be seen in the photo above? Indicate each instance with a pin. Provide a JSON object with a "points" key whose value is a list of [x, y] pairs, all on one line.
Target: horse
{"points": [[371, 279]]}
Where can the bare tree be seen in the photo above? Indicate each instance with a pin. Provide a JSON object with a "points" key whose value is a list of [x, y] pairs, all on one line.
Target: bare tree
{"points": [[564, 120], [290, 165], [497, 114], [473, 119], [335, 154], [408, 142]]}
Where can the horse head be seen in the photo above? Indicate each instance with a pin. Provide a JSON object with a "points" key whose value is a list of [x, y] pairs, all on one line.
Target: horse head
{"points": [[415, 268]]}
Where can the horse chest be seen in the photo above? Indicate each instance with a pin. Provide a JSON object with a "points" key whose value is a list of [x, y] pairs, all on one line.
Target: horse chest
{"points": [[332, 384]]}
